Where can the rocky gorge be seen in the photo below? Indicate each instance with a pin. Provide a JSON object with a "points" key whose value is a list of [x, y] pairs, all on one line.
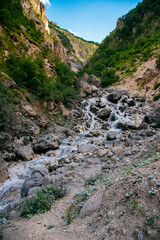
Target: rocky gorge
{"points": [[112, 131]]}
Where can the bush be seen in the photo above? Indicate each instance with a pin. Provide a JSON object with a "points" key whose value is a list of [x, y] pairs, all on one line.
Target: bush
{"points": [[42, 201], [158, 61], [7, 116]]}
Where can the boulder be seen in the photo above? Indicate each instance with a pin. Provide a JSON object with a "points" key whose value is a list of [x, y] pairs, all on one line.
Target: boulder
{"points": [[35, 180], [86, 87], [43, 122], [63, 110], [117, 150], [86, 148], [104, 113], [91, 80], [34, 130], [116, 96], [25, 152], [47, 142], [38, 177], [111, 135], [101, 152], [28, 109], [93, 204]]}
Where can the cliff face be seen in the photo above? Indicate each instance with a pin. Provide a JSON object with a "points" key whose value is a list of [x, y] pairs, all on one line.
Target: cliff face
{"points": [[36, 10], [72, 49]]}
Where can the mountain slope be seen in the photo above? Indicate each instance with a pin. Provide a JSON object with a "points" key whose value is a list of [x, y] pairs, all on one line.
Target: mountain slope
{"points": [[133, 42]]}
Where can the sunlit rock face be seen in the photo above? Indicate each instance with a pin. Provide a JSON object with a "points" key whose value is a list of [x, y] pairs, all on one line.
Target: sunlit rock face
{"points": [[38, 7]]}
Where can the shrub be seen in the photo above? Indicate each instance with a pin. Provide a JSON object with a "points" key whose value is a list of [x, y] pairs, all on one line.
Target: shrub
{"points": [[42, 201], [158, 61], [157, 97]]}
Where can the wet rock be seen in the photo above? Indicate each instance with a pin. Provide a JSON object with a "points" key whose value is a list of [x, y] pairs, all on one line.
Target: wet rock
{"points": [[111, 135], [94, 109], [41, 169], [35, 180], [93, 204], [86, 148], [47, 142], [131, 102], [115, 97], [104, 113], [25, 152]]}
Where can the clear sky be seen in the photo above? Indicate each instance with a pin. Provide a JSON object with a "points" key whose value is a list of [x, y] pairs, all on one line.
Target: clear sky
{"points": [[91, 19]]}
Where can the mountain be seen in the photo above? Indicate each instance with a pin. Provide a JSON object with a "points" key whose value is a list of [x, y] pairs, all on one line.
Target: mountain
{"points": [[132, 45]]}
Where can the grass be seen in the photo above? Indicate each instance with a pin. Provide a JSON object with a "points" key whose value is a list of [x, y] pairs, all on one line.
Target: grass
{"points": [[42, 201]]}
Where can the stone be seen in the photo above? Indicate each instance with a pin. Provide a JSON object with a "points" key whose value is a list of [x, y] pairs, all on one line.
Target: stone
{"points": [[43, 122], [69, 174], [64, 111], [47, 142], [34, 130], [93, 204], [86, 148], [28, 109], [35, 180], [116, 96], [158, 149], [117, 150], [91, 80], [25, 152], [101, 152], [111, 135], [104, 113]]}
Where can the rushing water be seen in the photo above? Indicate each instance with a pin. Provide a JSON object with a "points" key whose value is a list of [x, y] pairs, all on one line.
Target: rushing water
{"points": [[18, 172]]}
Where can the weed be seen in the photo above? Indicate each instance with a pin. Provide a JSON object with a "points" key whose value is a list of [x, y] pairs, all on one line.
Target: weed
{"points": [[151, 220], [42, 201]]}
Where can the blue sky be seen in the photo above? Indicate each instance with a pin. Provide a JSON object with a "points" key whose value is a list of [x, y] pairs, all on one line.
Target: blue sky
{"points": [[92, 19]]}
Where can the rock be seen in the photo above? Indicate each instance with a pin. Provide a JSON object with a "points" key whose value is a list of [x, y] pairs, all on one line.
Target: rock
{"points": [[158, 149], [3, 170], [28, 109], [35, 180], [34, 130], [86, 87], [115, 97], [101, 152], [131, 102], [111, 135], [25, 152], [96, 133], [69, 174], [94, 109], [104, 113], [42, 170], [47, 142], [64, 111], [86, 148], [91, 80], [117, 150], [93, 204], [46, 180], [43, 122]]}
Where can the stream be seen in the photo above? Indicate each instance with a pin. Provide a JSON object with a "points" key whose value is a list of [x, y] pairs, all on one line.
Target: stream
{"points": [[118, 113]]}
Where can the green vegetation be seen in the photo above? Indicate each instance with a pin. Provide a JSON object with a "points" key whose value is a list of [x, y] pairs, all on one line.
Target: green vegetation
{"points": [[6, 108], [12, 17], [30, 74], [157, 97], [128, 44], [56, 27], [158, 61], [42, 201]]}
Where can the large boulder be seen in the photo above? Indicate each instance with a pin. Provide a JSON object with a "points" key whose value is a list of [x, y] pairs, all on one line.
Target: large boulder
{"points": [[25, 152], [47, 142], [93, 204], [87, 148], [153, 118], [116, 96], [104, 113], [38, 177], [28, 109], [91, 80]]}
